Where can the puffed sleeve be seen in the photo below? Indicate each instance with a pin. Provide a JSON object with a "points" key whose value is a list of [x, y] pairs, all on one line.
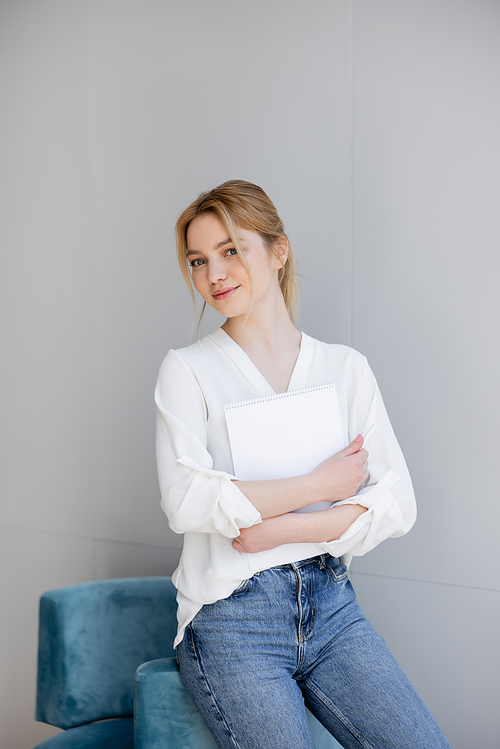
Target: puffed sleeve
{"points": [[388, 493], [194, 496]]}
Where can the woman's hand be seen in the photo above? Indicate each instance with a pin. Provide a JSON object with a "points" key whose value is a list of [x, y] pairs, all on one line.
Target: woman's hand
{"points": [[341, 475]]}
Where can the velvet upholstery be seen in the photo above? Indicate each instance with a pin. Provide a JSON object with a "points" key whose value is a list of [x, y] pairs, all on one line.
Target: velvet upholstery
{"points": [[165, 715], [110, 734], [92, 638]]}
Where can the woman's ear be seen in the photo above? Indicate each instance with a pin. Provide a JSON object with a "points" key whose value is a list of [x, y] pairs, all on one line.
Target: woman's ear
{"points": [[281, 251]]}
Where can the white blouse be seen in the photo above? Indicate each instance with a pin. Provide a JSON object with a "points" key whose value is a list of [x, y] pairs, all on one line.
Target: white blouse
{"points": [[195, 466]]}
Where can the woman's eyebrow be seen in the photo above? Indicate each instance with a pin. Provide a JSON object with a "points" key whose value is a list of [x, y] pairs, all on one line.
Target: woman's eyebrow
{"points": [[217, 247], [221, 244]]}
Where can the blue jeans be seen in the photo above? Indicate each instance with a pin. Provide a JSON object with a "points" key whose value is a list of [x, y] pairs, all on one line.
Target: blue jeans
{"points": [[292, 636]]}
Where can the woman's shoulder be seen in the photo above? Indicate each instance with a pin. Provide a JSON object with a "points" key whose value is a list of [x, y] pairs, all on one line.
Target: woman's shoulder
{"points": [[337, 351], [191, 356], [341, 364], [179, 373]]}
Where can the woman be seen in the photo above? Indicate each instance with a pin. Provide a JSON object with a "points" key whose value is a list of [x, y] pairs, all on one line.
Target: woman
{"points": [[256, 646]]}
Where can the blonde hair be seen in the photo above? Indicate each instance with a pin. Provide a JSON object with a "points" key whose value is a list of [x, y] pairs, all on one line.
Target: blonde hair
{"points": [[237, 203]]}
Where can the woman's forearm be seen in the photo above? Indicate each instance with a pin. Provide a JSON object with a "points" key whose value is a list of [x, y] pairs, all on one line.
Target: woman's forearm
{"points": [[310, 527], [279, 496], [338, 477]]}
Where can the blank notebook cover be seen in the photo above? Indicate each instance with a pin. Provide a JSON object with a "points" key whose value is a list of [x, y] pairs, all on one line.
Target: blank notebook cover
{"points": [[284, 435]]}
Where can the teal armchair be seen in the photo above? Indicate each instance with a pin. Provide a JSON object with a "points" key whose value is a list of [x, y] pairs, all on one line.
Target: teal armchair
{"points": [[107, 672]]}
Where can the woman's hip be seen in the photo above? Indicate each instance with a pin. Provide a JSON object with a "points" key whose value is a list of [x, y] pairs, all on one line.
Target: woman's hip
{"points": [[277, 611]]}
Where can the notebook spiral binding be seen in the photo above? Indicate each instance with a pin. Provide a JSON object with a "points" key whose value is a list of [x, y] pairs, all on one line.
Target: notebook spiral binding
{"points": [[278, 396]]}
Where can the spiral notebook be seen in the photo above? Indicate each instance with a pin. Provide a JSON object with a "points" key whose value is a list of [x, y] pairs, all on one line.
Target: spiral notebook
{"points": [[280, 436]]}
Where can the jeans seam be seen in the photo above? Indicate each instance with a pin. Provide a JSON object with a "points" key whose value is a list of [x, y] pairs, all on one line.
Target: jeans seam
{"points": [[310, 593], [299, 604], [205, 681], [308, 684]]}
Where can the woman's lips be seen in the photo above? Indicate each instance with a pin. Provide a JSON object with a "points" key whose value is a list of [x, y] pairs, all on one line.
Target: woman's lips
{"points": [[224, 293]]}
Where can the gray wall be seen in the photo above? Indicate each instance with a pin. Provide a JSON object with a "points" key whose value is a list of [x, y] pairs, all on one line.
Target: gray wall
{"points": [[373, 125]]}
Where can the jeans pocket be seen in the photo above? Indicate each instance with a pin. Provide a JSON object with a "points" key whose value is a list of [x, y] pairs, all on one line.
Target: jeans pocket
{"points": [[336, 570], [241, 587]]}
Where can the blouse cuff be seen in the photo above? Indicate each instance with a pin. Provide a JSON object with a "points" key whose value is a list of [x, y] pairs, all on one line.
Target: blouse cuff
{"points": [[237, 510], [358, 530], [368, 496], [185, 460]]}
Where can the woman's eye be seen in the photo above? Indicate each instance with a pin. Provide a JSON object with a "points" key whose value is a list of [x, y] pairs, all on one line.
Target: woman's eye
{"points": [[232, 251], [196, 263]]}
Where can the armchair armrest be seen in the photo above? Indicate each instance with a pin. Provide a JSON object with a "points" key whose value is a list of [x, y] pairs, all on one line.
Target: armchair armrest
{"points": [[165, 715]]}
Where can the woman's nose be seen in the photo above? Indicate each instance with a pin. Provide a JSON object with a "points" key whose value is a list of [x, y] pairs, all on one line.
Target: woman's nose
{"points": [[216, 272]]}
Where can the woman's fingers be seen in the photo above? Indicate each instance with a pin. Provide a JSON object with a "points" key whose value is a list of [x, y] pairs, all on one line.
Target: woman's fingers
{"points": [[352, 448]]}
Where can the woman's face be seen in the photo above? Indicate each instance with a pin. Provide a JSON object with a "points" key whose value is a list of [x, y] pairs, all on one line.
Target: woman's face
{"points": [[218, 273]]}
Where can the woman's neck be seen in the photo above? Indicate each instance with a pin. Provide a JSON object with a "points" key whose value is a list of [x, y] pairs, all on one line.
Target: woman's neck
{"points": [[264, 330], [271, 342]]}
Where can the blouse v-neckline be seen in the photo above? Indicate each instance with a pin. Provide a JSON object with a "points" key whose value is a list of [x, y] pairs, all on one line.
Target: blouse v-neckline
{"points": [[254, 376]]}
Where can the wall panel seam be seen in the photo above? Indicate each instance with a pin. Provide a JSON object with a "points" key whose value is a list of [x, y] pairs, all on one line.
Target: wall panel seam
{"points": [[83, 536], [351, 227], [425, 581]]}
